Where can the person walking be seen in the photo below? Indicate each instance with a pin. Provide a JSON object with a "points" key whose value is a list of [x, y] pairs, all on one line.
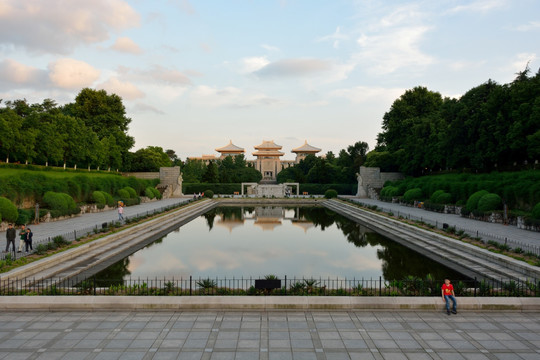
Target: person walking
{"points": [[22, 238], [11, 234], [447, 291], [29, 235], [120, 213]]}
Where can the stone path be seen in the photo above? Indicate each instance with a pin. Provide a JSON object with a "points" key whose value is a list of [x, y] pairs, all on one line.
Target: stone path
{"points": [[87, 221], [298, 335], [490, 231]]}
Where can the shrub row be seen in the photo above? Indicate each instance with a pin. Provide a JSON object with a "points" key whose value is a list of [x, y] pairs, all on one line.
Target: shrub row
{"points": [[60, 204], [152, 193]]}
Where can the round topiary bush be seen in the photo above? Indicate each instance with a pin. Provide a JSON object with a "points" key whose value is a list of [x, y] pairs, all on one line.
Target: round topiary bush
{"points": [[330, 193], [149, 193], [156, 192], [435, 196], [489, 202], [472, 202], [413, 194], [209, 194], [131, 191], [123, 193], [60, 203], [8, 210], [444, 198], [536, 211], [390, 191], [108, 198], [99, 199]]}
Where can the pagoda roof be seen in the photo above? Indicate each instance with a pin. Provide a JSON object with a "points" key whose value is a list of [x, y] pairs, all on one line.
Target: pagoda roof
{"points": [[268, 145], [230, 147], [268, 153], [306, 148]]}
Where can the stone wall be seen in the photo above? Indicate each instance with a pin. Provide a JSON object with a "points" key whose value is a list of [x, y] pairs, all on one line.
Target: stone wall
{"points": [[371, 178]]}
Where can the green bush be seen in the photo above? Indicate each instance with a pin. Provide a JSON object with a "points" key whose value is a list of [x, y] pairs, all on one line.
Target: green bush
{"points": [[209, 194], [123, 194], [435, 196], [444, 198], [109, 200], [156, 192], [413, 194], [131, 191], [8, 211], [489, 202], [330, 193], [536, 211], [149, 193], [25, 216], [472, 202], [390, 191], [99, 199], [60, 204]]}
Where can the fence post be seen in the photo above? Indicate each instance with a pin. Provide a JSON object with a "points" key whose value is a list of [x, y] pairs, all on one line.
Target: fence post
{"points": [[74, 235], [380, 285], [285, 284], [475, 286], [94, 285], [190, 288]]}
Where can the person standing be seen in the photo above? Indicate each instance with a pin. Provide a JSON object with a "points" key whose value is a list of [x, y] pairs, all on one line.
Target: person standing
{"points": [[11, 234], [29, 235], [447, 295], [22, 238]]}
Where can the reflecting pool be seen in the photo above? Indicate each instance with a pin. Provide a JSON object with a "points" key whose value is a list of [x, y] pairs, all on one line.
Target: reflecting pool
{"points": [[258, 241]]}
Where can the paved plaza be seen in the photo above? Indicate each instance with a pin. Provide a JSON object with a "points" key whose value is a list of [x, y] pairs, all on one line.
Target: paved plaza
{"points": [[271, 335]]}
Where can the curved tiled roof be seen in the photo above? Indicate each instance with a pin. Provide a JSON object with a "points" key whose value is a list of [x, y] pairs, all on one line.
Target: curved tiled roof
{"points": [[230, 147], [268, 145], [306, 148], [268, 153]]}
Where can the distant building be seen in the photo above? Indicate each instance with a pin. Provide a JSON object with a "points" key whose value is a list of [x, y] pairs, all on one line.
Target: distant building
{"points": [[268, 157]]}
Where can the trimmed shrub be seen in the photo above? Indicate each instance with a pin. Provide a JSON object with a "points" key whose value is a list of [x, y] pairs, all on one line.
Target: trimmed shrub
{"points": [[131, 191], [444, 198], [156, 192], [99, 199], [149, 193], [390, 191], [489, 202], [330, 193], [209, 194], [413, 194], [109, 200], [536, 211], [124, 194], [472, 202], [435, 196], [60, 204], [25, 216], [8, 211]]}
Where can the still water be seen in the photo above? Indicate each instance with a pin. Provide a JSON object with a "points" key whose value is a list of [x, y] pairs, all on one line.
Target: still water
{"points": [[257, 241]]}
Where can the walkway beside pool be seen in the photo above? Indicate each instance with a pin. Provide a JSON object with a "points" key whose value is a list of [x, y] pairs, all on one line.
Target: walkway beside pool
{"points": [[269, 335]]}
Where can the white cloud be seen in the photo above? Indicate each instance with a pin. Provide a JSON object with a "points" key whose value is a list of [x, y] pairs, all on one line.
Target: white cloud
{"points": [[336, 37], [294, 68], [124, 89], [157, 74], [270, 48], [531, 25], [20, 75], [125, 44], [252, 64], [364, 94], [58, 26], [145, 108], [478, 6], [208, 96], [72, 74], [521, 61]]}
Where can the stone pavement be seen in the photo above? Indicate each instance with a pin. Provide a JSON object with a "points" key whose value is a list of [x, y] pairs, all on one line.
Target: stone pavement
{"points": [[78, 223], [269, 335], [491, 231]]}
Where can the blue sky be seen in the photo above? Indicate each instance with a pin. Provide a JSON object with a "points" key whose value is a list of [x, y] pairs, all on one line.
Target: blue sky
{"points": [[195, 74]]}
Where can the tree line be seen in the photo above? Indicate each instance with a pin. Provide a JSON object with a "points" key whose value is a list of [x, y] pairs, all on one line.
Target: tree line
{"points": [[491, 127], [90, 132]]}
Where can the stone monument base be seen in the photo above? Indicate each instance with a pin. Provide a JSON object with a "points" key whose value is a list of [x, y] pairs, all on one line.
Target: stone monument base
{"points": [[265, 190]]}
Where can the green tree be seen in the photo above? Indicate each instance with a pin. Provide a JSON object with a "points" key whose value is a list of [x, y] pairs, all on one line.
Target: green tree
{"points": [[211, 174], [150, 158]]}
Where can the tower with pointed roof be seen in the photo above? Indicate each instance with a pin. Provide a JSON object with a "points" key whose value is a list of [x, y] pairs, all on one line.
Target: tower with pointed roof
{"points": [[304, 150], [268, 160]]}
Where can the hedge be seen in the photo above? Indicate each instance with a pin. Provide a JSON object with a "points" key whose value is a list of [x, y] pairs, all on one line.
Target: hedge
{"points": [[320, 189], [8, 211], [156, 192], [99, 199], [131, 191], [472, 202], [489, 202], [123, 194], [536, 211], [149, 193], [330, 193]]}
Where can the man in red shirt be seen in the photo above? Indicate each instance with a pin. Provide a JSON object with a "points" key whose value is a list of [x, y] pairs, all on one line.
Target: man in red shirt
{"points": [[448, 294]]}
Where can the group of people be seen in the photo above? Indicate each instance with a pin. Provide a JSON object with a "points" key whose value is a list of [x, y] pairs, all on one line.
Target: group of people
{"points": [[25, 238]]}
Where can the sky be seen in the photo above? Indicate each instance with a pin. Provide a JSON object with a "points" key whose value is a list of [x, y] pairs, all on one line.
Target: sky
{"points": [[195, 74]]}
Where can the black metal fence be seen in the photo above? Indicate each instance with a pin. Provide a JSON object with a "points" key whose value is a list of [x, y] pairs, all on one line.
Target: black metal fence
{"points": [[444, 225], [190, 286], [78, 233]]}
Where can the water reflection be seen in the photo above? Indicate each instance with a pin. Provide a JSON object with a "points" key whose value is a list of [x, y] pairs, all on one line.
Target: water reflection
{"points": [[293, 241]]}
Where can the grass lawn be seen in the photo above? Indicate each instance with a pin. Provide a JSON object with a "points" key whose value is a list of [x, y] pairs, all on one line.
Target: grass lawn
{"points": [[53, 172]]}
